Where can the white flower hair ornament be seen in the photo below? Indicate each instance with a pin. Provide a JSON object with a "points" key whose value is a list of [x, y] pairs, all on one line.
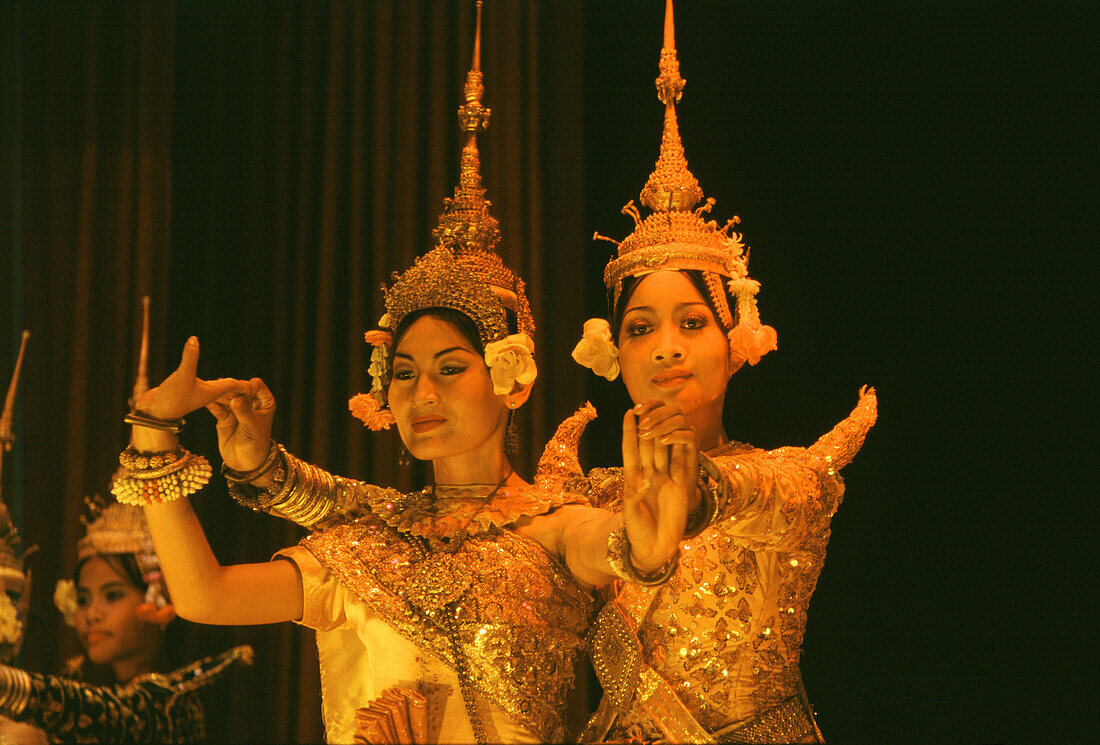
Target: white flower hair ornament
{"points": [[370, 408], [749, 339], [596, 350], [64, 597], [511, 360]]}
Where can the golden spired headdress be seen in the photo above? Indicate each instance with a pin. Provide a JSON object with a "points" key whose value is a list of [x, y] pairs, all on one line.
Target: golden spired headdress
{"points": [[676, 236], [462, 272], [115, 528], [12, 575]]}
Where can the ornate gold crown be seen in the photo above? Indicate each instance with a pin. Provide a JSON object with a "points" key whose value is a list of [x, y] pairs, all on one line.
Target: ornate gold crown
{"points": [[675, 235], [114, 528], [462, 271], [438, 279], [466, 226]]}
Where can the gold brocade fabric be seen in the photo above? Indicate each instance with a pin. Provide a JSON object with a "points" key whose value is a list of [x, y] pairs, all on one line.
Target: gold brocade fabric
{"points": [[726, 631], [420, 561]]}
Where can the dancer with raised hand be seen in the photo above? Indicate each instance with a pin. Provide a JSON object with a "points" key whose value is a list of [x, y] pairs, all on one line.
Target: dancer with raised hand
{"points": [[118, 605], [449, 614], [712, 655]]}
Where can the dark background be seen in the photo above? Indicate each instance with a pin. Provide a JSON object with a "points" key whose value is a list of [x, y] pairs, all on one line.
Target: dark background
{"points": [[916, 181]]}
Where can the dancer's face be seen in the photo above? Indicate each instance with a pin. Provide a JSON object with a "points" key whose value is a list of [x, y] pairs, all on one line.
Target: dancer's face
{"points": [[442, 396], [106, 619], [671, 347]]}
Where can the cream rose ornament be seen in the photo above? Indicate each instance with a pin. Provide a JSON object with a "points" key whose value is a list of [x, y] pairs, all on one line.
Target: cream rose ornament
{"points": [[596, 351], [511, 360], [64, 597]]}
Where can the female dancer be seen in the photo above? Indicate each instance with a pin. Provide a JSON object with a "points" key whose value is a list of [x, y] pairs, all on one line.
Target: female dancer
{"points": [[712, 656], [452, 614], [119, 607], [117, 604]]}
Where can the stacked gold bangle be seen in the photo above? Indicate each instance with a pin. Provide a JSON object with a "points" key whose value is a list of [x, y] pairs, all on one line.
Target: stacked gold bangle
{"points": [[152, 478], [618, 556], [301, 492], [140, 419], [15, 690]]}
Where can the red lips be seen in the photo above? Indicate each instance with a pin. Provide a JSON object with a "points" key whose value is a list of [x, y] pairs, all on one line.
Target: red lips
{"points": [[92, 637], [426, 422], [672, 377]]}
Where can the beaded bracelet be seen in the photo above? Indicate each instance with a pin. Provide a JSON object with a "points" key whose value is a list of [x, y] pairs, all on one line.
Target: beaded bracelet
{"points": [[137, 462], [618, 556], [147, 480], [253, 497]]}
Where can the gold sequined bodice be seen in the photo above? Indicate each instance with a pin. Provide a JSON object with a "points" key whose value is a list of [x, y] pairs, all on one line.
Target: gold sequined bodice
{"points": [[518, 613], [726, 631]]}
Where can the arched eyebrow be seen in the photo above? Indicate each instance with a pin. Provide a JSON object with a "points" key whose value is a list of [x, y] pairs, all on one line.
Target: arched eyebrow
{"points": [[104, 586], [651, 309], [438, 354]]}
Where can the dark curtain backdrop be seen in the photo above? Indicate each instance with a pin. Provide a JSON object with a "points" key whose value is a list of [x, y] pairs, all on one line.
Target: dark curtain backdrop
{"points": [[916, 181]]}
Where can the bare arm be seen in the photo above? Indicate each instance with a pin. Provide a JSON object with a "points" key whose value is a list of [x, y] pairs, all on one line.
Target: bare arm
{"points": [[202, 589]]}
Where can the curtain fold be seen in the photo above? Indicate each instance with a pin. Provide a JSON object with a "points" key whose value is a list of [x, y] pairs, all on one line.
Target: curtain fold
{"points": [[260, 169]]}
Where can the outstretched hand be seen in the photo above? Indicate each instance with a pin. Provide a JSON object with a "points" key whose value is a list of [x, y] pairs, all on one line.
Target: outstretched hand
{"points": [[660, 473], [244, 425]]}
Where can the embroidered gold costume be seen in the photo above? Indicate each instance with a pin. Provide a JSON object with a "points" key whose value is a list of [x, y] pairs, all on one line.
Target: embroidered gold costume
{"points": [[434, 593], [391, 592], [721, 641], [152, 708]]}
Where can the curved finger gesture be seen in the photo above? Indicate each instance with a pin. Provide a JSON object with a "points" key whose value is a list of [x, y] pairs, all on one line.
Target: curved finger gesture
{"points": [[244, 424]]}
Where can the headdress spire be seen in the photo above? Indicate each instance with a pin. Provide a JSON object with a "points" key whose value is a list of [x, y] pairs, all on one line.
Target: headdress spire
{"points": [[675, 235], [671, 186], [466, 224], [141, 383], [12, 577]]}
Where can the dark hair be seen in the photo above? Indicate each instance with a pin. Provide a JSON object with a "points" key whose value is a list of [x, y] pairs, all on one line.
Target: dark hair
{"points": [[462, 322], [695, 276], [459, 320], [125, 565]]}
